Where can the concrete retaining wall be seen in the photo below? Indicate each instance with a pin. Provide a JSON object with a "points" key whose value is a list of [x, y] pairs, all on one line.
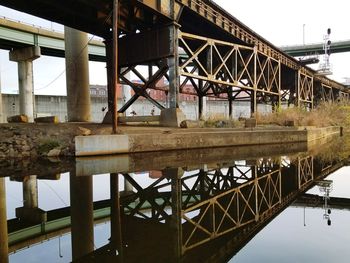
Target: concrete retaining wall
{"points": [[112, 144]]}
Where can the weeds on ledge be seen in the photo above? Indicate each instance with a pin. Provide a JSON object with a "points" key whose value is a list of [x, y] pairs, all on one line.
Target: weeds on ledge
{"points": [[326, 114]]}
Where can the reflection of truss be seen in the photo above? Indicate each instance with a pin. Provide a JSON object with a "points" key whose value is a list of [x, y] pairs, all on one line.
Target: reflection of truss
{"points": [[230, 210], [305, 171], [209, 204], [305, 89]]}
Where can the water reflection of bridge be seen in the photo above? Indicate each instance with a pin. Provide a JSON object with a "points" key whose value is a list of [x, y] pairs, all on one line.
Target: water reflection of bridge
{"points": [[203, 209]]}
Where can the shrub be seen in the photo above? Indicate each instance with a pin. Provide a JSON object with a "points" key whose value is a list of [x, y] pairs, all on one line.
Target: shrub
{"points": [[47, 145]]}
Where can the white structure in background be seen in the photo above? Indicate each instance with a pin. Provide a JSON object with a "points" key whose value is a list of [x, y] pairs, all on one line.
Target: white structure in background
{"points": [[346, 82], [325, 68], [325, 187]]}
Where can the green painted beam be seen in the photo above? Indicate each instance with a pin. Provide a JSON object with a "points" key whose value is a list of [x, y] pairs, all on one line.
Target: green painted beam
{"points": [[16, 35], [310, 49]]}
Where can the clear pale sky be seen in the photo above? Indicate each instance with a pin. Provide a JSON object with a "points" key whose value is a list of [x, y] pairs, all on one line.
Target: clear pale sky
{"points": [[280, 22]]}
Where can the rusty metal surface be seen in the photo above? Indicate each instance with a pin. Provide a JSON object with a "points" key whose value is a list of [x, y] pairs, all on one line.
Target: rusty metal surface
{"points": [[145, 46]]}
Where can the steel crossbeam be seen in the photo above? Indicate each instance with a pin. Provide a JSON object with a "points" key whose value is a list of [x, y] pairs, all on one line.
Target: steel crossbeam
{"points": [[305, 90], [228, 68]]}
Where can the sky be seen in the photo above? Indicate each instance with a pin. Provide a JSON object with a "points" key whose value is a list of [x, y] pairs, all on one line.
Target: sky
{"points": [[280, 22]]}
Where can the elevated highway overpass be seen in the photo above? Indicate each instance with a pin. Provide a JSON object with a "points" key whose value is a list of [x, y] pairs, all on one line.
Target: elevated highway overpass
{"points": [[316, 48]]}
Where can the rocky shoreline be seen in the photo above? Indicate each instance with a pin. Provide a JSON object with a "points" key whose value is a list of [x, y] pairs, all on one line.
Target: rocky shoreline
{"points": [[32, 140]]}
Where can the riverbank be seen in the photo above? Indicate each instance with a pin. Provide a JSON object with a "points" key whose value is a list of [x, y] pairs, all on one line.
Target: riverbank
{"points": [[32, 140]]}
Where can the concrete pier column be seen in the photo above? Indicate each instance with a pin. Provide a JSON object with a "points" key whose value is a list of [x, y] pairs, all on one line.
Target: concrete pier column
{"points": [[82, 221], [77, 75], [24, 57], [3, 223]]}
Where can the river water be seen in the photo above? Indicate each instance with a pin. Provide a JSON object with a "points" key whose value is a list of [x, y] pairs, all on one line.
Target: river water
{"points": [[286, 203]]}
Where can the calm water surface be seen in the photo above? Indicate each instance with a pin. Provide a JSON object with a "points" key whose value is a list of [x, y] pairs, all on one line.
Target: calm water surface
{"points": [[287, 207]]}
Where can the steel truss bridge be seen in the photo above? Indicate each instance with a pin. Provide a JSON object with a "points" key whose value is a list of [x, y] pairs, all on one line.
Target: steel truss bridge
{"points": [[191, 43], [210, 211]]}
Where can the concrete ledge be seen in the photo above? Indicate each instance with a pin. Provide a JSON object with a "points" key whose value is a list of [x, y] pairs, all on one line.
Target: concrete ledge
{"points": [[101, 144], [132, 143], [138, 119]]}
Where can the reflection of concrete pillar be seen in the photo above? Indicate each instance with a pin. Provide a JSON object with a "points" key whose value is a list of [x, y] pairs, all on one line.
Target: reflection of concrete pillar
{"points": [[3, 223], [30, 211], [77, 75], [82, 221], [30, 192], [175, 175], [24, 57]]}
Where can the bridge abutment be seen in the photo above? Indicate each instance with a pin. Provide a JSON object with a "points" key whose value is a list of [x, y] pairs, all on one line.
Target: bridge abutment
{"points": [[77, 75], [24, 57]]}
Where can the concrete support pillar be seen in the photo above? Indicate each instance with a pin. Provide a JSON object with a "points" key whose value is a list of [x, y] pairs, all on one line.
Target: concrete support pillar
{"points": [[3, 223], [24, 57], [82, 221], [77, 75]]}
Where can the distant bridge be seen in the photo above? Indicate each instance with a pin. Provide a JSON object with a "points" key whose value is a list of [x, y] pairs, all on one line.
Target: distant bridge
{"points": [[14, 34], [316, 48]]}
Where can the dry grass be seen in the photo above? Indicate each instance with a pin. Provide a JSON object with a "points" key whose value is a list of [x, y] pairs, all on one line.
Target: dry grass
{"points": [[218, 120], [327, 114]]}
